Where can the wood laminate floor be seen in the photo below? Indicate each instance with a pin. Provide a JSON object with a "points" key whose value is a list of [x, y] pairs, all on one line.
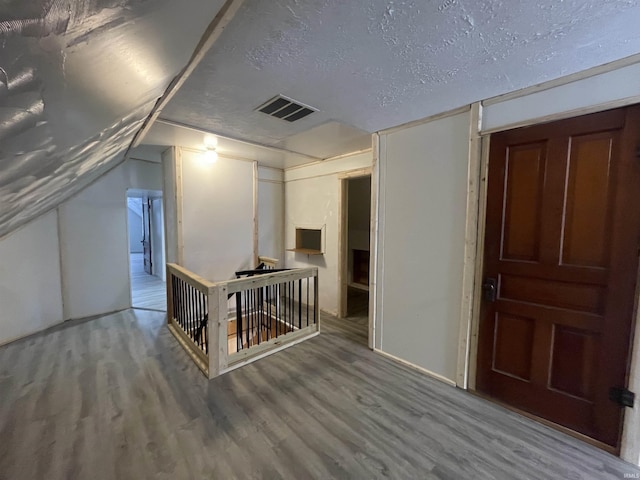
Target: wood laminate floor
{"points": [[117, 398], [147, 291]]}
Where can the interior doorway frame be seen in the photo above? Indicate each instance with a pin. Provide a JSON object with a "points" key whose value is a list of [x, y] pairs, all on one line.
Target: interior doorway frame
{"points": [[343, 242], [150, 195], [480, 143]]}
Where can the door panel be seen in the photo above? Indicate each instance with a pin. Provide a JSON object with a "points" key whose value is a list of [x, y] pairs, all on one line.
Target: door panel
{"points": [[587, 200], [524, 188], [562, 239]]}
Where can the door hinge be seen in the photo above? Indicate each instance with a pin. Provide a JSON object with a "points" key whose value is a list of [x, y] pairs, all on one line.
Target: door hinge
{"points": [[622, 396]]}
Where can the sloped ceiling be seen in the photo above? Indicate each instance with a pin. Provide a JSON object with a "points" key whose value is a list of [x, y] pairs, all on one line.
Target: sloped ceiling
{"points": [[77, 77], [380, 63]]}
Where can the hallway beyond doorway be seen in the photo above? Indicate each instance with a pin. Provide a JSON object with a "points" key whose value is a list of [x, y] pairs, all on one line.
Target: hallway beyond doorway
{"points": [[147, 291]]}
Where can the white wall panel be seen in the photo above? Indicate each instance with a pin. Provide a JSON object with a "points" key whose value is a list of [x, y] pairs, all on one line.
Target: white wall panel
{"points": [[423, 206], [271, 219], [171, 204], [157, 239], [30, 290], [592, 91], [94, 248], [217, 216]]}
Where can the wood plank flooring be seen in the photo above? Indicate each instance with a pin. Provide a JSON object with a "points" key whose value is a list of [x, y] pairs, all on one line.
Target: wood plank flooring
{"points": [[117, 398], [147, 291]]}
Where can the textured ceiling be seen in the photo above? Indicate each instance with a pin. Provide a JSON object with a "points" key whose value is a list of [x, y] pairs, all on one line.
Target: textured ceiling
{"points": [[77, 77], [381, 63]]}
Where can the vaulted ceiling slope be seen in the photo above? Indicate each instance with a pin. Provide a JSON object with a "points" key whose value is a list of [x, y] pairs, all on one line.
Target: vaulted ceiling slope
{"points": [[77, 78], [380, 63]]}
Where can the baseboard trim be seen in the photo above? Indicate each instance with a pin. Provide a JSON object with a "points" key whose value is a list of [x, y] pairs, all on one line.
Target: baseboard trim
{"points": [[436, 376]]}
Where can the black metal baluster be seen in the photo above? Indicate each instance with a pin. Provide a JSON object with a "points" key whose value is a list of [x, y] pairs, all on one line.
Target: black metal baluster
{"points": [[307, 282], [300, 303], [205, 319], [197, 333], [238, 321], [260, 319], [268, 311], [277, 291], [182, 307], [248, 299], [292, 296], [192, 313]]}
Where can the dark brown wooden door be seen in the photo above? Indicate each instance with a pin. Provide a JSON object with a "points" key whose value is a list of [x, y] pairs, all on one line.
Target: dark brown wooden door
{"points": [[146, 235], [562, 238]]}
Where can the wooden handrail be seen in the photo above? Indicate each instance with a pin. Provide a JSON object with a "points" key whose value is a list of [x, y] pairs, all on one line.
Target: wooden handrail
{"points": [[249, 283], [196, 281]]}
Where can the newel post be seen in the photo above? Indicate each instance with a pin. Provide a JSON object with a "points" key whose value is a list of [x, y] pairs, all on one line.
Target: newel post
{"points": [[217, 329], [169, 285]]}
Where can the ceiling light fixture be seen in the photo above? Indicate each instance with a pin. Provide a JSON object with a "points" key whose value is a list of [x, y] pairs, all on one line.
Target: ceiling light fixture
{"points": [[210, 155]]}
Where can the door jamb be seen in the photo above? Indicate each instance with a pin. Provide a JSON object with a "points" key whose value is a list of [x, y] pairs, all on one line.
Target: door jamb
{"points": [[343, 273]]}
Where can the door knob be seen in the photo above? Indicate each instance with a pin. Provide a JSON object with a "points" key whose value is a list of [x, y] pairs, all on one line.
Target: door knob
{"points": [[490, 289]]}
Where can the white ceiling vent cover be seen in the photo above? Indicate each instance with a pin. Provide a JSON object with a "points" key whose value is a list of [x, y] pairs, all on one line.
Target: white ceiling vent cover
{"points": [[285, 109]]}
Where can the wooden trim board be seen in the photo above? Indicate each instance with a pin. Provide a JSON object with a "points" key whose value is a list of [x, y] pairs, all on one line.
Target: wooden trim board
{"points": [[470, 244], [213, 32], [373, 239], [479, 265], [263, 350]]}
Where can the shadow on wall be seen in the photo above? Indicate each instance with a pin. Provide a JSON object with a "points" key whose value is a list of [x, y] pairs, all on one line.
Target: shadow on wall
{"points": [[311, 260]]}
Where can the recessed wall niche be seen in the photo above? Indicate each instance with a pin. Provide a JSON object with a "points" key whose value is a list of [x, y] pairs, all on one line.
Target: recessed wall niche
{"points": [[309, 240]]}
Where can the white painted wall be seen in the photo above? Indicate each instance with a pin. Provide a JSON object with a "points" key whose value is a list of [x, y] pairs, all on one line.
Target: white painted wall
{"points": [[143, 175], [619, 84], [171, 205], [423, 188], [217, 215], [93, 241], [30, 289], [157, 239], [312, 199], [94, 246], [135, 225], [271, 213]]}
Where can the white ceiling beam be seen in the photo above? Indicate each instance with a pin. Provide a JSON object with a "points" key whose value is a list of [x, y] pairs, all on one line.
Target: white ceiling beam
{"points": [[211, 35]]}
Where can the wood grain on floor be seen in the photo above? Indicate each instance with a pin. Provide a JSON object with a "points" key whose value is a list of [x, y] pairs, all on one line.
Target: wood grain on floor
{"points": [[147, 291], [118, 398]]}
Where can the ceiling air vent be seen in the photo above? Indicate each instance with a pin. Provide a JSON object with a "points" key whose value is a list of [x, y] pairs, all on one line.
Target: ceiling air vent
{"points": [[285, 108]]}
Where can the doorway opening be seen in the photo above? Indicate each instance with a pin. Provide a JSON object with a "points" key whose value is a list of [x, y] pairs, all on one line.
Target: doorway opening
{"points": [[355, 241], [145, 219]]}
